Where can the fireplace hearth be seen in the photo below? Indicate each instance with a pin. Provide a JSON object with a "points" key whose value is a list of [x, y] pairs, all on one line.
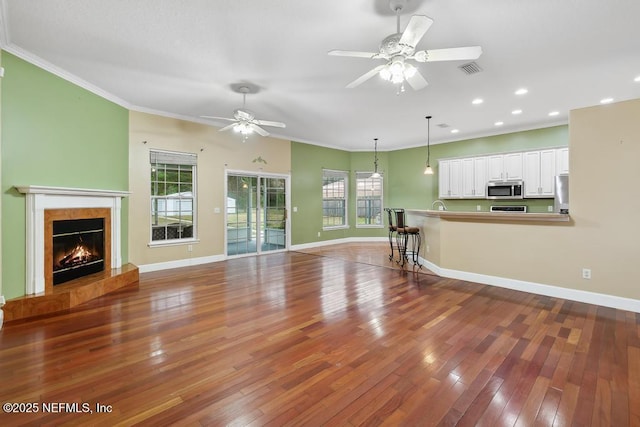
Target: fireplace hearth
{"points": [[46, 205], [78, 248]]}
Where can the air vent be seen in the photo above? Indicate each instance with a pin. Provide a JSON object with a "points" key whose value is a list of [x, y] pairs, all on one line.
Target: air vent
{"points": [[470, 68], [443, 125]]}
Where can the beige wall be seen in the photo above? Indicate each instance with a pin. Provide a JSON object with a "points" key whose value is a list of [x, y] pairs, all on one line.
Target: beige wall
{"points": [[604, 232], [217, 152]]}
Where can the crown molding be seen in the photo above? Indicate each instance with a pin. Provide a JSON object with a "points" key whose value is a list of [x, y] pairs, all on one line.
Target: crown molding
{"points": [[65, 75]]}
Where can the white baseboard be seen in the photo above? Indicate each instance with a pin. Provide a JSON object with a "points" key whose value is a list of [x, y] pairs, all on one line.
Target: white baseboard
{"points": [[538, 288], [188, 262], [337, 242]]}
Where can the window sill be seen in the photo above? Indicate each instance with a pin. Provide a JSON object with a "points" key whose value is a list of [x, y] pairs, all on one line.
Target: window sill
{"points": [[339, 227], [370, 226], [172, 242]]}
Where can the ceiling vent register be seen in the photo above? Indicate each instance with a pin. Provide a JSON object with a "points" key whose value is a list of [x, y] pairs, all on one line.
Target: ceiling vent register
{"points": [[470, 68]]}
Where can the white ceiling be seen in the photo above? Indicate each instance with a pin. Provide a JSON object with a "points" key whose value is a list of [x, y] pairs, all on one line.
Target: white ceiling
{"points": [[179, 58]]}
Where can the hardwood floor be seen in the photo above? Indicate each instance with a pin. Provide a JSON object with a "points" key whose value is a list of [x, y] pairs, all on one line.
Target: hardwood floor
{"points": [[307, 340]]}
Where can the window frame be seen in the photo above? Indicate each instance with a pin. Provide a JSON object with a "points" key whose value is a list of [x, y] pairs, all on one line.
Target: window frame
{"points": [[340, 175], [366, 177], [174, 161]]}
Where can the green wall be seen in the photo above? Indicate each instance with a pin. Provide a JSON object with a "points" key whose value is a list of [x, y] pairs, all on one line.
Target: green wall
{"points": [[405, 185], [411, 189], [54, 133], [307, 162]]}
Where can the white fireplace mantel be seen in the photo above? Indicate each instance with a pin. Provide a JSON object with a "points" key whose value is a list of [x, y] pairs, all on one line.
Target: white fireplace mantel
{"points": [[40, 198]]}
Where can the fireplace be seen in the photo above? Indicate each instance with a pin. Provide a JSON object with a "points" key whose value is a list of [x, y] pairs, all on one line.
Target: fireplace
{"points": [[76, 243], [70, 229], [78, 248], [47, 204]]}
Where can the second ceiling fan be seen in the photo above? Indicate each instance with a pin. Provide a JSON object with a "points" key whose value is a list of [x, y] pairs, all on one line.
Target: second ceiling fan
{"points": [[399, 47], [244, 121]]}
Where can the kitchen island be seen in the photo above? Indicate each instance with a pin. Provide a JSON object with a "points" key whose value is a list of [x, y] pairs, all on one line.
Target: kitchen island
{"points": [[507, 249]]}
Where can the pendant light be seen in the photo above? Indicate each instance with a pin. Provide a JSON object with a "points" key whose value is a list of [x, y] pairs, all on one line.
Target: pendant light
{"points": [[375, 174], [428, 170]]}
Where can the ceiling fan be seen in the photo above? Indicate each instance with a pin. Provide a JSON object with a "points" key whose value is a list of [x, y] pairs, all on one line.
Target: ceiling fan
{"points": [[397, 48], [244, 121]]}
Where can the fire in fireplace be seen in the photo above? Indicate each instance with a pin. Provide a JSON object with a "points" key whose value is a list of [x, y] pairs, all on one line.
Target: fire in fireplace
{"points": [[78, 248]]}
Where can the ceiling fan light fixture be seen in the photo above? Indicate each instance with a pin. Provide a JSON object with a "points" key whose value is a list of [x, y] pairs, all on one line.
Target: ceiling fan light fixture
{"points": [[243, 128], [409, 71], [385, 74], [397, 78]]}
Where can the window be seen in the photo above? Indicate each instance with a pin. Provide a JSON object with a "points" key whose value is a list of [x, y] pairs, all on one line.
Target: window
{"points": [[368, 200], [334, 199], [172, 196]]}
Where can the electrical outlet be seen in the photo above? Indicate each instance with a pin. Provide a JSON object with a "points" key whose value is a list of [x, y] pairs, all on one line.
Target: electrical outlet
{"points": [[216, 210], [295, 209], [428, 249], [190, 248], [549, 208], [586, 273], [478, 208], [318, 234]]}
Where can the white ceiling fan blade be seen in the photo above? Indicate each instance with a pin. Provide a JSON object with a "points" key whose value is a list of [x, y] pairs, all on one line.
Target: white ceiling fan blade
{"points": [[451, 54], [353, 53], [227, 127], [219, 118], [269, 123], [257, 129], [366, 76], [416, 29], [416, 81]]}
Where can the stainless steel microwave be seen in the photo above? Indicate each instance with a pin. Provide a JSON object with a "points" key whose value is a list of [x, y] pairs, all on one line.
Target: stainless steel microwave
{"points": [[505, 190]]}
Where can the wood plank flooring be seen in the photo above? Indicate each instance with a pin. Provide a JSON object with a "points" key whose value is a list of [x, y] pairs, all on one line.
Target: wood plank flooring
{"points": [[297, 339]]}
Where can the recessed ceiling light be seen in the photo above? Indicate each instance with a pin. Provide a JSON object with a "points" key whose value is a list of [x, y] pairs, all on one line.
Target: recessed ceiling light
{"points": [[554, 113], [477, 101], [498, 123], [515, 112], [606, 100], [637, 79], [455, 131], [522, 91]]}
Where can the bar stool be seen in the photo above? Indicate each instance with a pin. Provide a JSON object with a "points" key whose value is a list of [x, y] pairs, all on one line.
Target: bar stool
{"points": [[392, 229], [408, 240]]}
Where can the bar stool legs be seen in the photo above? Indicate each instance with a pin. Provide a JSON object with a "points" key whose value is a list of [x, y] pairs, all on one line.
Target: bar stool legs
{"points": [[392, 230], [408, 241]]}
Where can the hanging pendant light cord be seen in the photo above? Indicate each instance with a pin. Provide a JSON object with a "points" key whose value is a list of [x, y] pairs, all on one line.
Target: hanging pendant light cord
{"points": [[428, 138]]}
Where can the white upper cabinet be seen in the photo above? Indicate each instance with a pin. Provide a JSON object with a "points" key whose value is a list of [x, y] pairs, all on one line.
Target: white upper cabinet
{"points": [[539, 173], [562, 161], [466, 178], [474, 177], [505, 167], [450, 178]]}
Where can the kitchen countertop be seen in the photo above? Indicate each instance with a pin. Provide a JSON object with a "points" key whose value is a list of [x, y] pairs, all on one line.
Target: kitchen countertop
{"points": [[492, 216]]}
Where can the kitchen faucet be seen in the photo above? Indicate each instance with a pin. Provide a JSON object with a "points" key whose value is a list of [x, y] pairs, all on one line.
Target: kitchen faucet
{"points": [[444, 207]]}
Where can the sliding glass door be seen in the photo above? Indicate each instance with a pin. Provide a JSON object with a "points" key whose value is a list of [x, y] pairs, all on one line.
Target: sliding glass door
{"points": [[256, 213]]}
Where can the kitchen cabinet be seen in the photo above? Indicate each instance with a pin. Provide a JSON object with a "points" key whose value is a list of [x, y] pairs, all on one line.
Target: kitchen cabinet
{"points": [[562, 161], [539, 173], [474, 177], [450, 178], [505, 167]]}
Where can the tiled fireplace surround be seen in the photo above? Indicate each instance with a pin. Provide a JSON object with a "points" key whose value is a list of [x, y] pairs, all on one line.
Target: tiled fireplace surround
{"points": [[46, 204]]}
